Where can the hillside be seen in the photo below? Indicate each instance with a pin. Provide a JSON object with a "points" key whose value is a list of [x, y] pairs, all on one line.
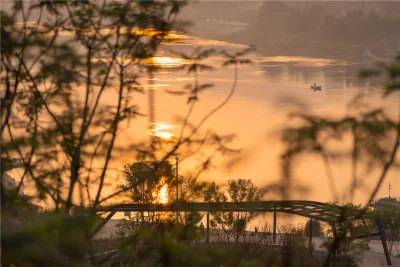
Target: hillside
{"points": [[341, 29]]}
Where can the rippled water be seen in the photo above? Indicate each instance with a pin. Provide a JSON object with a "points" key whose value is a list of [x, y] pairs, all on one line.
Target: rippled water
{"points": [[267, 92]]}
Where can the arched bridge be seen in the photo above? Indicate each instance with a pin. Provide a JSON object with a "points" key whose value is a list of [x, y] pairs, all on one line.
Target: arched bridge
{"points": [[320, 211], [311, 209]]}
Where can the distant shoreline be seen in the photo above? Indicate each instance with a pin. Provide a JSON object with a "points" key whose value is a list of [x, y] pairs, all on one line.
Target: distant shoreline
{"points": [[275, 48], [289, 46]]}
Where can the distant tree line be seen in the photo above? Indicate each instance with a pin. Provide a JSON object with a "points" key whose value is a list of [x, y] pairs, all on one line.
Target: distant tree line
{"points": [[312, 22]]}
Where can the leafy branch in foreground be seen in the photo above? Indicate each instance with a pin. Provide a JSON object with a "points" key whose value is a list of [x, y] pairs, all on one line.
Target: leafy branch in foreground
{"points": [[374, 135], [70, 77], [71, 71], [191, 140]]}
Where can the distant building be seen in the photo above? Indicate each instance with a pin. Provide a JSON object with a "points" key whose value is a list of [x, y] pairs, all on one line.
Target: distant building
{"points": [[386, 201]]}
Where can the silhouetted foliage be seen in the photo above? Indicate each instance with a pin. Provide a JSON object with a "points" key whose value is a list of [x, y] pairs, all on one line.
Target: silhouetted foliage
{"points": [[233, 224], [390, 218], [145, 180], [374, 141], [316, 228]]}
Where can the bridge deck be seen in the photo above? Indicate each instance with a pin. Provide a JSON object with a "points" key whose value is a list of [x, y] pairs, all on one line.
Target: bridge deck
{"points": [[310, 209]]}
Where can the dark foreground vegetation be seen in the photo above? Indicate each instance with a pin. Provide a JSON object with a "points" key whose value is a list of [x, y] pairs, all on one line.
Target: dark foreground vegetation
{"points": [[153, 250]]}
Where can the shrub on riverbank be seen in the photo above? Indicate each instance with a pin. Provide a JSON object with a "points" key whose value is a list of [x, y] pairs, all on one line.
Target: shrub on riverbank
{"points": [[179, 245]]}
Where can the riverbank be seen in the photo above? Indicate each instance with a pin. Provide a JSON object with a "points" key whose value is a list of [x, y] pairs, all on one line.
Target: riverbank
{"points": [[267, 27], [374, 50], [373, 257]]}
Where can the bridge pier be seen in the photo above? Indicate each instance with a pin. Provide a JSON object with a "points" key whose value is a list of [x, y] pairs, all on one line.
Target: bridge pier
{"points": [[383, 239], [310, 237], [274, 233], [333, 225], [320, 211], [208, 228]]}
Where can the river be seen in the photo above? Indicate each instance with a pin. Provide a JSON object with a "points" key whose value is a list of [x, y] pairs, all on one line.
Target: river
{"points": [[267, 92]]}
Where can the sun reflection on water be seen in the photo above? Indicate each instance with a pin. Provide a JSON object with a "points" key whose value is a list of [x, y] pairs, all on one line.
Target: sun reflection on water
{"points": [[162, 130], [160, 193], [163, 194], [166, 61], [308, 61]]}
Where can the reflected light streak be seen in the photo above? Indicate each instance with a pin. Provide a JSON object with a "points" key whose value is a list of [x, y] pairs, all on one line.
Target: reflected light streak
{"points": [[163, 194], [162, 130], [158, 61], [169, 36], [166, 61], [316, 62]]}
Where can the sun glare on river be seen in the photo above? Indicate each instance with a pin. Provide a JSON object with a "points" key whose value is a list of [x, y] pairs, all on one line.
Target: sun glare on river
{"points": [[163, 194], [166, 61]]}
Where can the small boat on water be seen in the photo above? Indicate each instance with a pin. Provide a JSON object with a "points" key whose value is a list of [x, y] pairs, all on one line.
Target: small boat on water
{"points": [[315, 87]]}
